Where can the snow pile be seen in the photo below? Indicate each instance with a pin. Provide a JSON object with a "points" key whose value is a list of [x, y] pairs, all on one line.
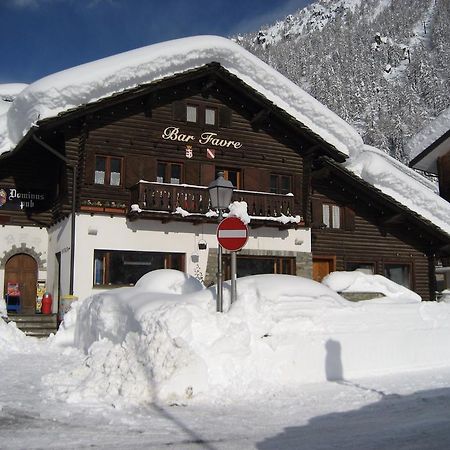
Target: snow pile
{"points": [[402, 184], [239, 209], [14, 340], [99, 79], [431, 133], [361, 282], [163, 340]]}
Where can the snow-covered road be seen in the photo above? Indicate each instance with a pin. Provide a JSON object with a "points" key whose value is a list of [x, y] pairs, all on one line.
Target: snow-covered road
{"points": [[403, 411]]}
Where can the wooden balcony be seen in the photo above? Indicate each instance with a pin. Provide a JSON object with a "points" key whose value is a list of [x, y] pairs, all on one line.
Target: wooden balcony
{"points": [[192, 202]]}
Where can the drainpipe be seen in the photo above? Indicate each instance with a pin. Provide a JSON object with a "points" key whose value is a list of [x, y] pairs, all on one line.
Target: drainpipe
{"points": [[74, 191]]}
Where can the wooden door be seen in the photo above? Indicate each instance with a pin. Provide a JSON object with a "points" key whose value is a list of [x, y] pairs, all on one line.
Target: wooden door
{"points": [[322, 266], [23, 269]]}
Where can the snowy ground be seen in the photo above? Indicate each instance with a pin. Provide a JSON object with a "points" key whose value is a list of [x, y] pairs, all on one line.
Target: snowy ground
{"points": [[409, 410], [290, 365]]}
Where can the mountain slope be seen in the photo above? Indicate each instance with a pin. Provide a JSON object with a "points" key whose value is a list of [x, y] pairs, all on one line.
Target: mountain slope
{"points": [[382, 65]]}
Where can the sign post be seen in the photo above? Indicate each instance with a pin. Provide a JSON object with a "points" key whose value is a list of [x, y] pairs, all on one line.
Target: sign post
{"points": [[232, 235]]}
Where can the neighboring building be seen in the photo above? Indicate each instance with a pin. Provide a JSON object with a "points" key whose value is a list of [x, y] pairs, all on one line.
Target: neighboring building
{"points": [[110, 162], [430, 151]]}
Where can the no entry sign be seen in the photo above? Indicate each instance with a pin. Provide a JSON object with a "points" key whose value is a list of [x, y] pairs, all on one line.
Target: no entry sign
{"points": [[232, 234]]}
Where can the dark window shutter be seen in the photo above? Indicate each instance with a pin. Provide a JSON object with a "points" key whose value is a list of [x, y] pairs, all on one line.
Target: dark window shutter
{"points": [[207, 174], [192, 173], [224, 117], [139, 168], [179, 111], [349, 219], [317, 213], [256, 179]]}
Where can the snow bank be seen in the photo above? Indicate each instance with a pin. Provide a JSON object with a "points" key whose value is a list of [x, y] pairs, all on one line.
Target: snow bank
{"points": [[402, 184], [14, 340], [361, 282], [164, 341], [99, 79]]}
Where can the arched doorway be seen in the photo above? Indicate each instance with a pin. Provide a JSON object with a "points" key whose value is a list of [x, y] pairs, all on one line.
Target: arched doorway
{"points": [[23, 269]]}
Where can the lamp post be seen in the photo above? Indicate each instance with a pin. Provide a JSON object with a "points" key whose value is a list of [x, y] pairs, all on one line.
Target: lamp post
{"points": [[220, 193]]}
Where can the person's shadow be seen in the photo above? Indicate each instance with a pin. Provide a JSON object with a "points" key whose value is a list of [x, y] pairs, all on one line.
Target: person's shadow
{"points": [[333, 361], [334, 370]]}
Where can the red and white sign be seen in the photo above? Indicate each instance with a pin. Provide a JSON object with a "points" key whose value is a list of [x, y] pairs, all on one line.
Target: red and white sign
{"points": [[232, 234], [210, 153]]}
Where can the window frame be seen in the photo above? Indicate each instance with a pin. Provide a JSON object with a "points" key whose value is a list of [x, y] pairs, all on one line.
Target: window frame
{"points": [[409, 264], [361, 263], [168, 171], [106, 256], [279, 177], [226, 171], [107, 180], [279, 263], [329, 224]]}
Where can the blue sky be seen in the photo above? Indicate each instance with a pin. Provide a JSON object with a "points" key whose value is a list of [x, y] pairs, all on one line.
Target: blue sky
{"points": [[38, 37]]}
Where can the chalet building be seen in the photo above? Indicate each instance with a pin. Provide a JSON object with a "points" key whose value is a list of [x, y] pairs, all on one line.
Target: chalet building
{"points": [[105, 179], [431, 154]]}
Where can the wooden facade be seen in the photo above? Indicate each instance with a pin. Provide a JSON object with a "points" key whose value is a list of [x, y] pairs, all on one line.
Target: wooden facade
{"points": [[375, 232], [150, 153]]}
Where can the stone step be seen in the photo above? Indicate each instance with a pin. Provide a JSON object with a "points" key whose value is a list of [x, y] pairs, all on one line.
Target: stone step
{"points": [[38, 325]]}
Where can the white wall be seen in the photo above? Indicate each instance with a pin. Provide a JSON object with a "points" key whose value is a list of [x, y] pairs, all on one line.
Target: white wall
{"points": [[59, 241], [104, 232]]}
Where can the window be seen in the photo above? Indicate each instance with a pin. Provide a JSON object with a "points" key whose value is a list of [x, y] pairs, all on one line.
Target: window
{"points": [[108, 170], [233, 175], [191, 113], [169, 173], [201, 113], [331, 216], [210, 116], [367, 268], [398, 273], [124, 268], [280, 184], [255, 265]]}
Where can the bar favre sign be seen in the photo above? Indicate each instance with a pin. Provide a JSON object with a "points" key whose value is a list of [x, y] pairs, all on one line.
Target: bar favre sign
{"points": [[15, 199], [206, 138]]}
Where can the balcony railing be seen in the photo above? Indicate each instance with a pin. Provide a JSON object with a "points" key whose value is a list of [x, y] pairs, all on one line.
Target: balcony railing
{"points": [[163, 197]]}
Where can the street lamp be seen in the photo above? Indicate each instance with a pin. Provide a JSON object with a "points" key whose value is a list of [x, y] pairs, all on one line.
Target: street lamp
{"points": [[220, 193]]}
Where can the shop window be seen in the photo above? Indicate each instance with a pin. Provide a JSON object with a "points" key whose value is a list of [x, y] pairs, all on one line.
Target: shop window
{"points": [[233, 175], [280, 184], [367, 268], [124, 268], [331, 216], [108, 170], [256, 265], [169, 173], [399, 273]]}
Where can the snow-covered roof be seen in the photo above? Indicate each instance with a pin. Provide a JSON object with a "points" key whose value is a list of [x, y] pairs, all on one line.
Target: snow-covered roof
{"points": [[8, 92], [427, 139], [402, 184], [81, 85], [89, 82]]}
